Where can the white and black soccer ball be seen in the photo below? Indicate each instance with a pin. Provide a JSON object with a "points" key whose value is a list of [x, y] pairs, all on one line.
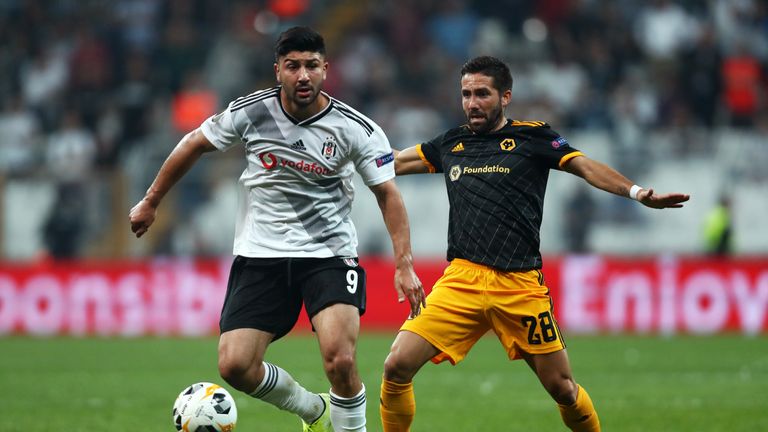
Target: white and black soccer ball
{"points": [[204, 407]]}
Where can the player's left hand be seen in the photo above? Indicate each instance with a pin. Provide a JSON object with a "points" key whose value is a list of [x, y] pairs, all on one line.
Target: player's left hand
{"points": [[670, 200], [408, 286]]}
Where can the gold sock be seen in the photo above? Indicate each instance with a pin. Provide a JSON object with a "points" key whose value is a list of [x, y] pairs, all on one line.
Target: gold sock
{"points": [[581, 416], [397, 406]]}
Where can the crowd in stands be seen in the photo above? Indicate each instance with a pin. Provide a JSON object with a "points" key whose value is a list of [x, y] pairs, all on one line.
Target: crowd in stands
{"points": [[88, 82]]}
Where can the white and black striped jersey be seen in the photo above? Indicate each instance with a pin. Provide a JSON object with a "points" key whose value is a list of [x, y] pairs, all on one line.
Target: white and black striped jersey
{"points": [[296, 191]]}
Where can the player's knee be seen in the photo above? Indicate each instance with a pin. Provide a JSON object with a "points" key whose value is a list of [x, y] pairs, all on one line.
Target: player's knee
{"points": [[234, 370], [340, 365], [563, 391], [397, 369]]}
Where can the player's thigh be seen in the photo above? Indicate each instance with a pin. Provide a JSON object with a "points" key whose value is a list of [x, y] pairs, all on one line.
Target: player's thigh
{"points": [[522, 315], [337, 327], [260, 297]]}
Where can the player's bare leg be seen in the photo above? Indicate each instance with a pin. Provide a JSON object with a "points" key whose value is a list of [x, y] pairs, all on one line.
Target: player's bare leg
{"points": [[337, 328], [242, 365], [241, 357], [408, 354], [574, 403]]}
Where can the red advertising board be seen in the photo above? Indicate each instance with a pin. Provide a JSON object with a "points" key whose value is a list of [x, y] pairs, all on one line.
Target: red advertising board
{"points": [[662, 295]]}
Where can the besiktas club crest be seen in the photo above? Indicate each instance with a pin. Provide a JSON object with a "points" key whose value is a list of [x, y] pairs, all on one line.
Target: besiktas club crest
{"points": [[329, 147]]}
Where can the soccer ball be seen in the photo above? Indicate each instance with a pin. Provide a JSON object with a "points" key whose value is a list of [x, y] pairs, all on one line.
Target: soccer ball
{"points": [[204, 407]]}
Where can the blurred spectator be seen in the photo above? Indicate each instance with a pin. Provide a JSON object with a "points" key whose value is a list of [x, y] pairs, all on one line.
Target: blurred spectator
{"points": [[492, 39], [20, 134], [138, 23], [44, 77], [109, 129], [733, 21], [664, 28], [718, 228], [90, 75], [684, 132], [406, 33], [580, 213], [182, 45], [288, 8], [453, 28], [409, 120], [742, 81], [699, 77], [360, 82], [236, 51], [634, 110], [134, 97], [561, 81], [193, 103], [63, 229], [71, 150]]}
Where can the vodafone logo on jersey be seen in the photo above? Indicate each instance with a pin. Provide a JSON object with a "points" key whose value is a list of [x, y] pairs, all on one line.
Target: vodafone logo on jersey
{"points": [[270, 161]]}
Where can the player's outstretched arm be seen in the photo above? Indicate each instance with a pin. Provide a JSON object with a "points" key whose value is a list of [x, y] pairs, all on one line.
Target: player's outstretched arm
{"points": [[606, 178], [181, 159], [407, 284], [409, 162]]}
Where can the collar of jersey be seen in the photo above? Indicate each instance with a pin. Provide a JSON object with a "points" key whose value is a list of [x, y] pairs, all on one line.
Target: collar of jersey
{"points": [[309, 120]]}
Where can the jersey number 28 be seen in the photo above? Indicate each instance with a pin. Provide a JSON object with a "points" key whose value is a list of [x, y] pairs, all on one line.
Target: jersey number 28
{"points": [[547, 332]]}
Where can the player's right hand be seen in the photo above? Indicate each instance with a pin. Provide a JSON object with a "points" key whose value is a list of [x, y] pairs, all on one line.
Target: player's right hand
{"points": [[142, 215], [408, 286]]}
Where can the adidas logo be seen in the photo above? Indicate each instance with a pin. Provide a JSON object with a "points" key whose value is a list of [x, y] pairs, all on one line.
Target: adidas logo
{"points": [[298, 145], [457, 148]]}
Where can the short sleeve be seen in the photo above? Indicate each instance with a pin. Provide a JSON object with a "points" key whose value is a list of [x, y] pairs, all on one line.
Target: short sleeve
{"points": [[220, 130], [373, 159], [429, 152], [552, 149]]}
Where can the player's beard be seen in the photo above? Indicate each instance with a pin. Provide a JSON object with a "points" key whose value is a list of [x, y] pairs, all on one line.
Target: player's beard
{"points": [[492, 119], [305, 101]]}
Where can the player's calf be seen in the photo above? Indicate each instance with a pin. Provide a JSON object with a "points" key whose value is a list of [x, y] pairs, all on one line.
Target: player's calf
{"points": [[280, 389]]}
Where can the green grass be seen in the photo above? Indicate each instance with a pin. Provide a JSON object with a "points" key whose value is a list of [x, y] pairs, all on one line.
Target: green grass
{"points": [[637, 383]]}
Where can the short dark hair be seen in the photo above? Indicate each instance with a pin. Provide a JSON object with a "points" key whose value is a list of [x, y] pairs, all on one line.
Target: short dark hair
{"points": [[299, 39], [491, 67]]}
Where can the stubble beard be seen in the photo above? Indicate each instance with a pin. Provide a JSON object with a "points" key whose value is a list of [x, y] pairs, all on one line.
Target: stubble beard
{"points": [[492, 121], [305, 102]]}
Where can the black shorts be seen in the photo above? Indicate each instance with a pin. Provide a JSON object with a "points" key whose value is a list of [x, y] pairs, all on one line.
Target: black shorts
{"points": [[267, 293]]}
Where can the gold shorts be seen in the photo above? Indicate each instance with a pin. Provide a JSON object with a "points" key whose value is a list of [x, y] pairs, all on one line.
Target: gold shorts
{"points": [[470, 299]]}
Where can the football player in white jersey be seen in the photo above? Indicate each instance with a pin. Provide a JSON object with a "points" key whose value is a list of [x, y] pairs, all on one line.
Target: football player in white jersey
{"points": [[294, 241]]}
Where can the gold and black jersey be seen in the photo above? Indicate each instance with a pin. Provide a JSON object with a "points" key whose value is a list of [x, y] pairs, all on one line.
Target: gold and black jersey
{"points": [[496, 184]]}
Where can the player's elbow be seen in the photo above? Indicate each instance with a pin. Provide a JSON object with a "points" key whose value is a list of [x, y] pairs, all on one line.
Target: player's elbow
{"points": [[399, 163], [399, 170], [408, 167]]}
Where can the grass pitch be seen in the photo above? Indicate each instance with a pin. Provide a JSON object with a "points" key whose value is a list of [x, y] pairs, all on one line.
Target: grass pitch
{"points": [[637, 383]]}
